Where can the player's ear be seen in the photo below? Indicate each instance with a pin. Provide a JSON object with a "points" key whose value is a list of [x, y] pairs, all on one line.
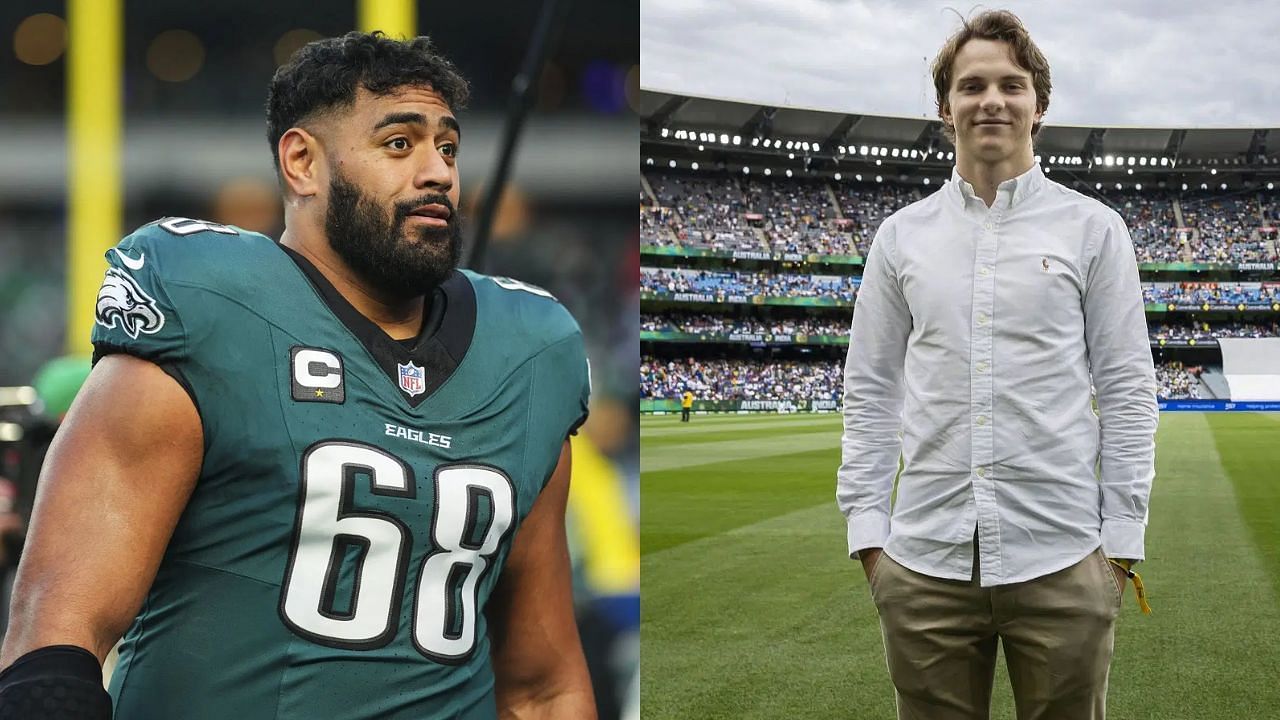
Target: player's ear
{"points": [[300, 162]]}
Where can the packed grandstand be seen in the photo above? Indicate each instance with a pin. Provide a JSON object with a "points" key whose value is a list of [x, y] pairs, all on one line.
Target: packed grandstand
{"points": [[750, 272]]}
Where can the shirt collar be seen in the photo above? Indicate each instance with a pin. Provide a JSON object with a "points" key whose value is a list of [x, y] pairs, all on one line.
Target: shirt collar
{"points": [[1018, 188]]}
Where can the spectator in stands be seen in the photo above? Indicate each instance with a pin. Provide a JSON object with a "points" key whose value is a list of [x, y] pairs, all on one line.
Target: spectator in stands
{"points": [[707, 324], [1175, 381], [799, 216], [1251, 294], [741, 379], [998, 486], [729, 212], [722, 283], [1152, 223], [1226, 229], [813, 380]]}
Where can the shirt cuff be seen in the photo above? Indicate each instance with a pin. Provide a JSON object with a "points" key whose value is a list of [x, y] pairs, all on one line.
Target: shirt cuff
{"points": [[1124, 539], [867, 529]]}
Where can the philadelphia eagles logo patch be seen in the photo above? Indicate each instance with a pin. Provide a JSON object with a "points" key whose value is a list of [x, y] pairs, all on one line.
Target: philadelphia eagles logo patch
{"points": [[123, 303]]}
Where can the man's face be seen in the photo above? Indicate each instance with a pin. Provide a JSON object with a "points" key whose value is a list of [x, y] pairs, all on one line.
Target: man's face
{"points": [[393, 190], [991, 102]]}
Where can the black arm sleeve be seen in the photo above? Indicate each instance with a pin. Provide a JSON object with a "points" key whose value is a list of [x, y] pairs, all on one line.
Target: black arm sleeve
{"points": [[60, 682]]}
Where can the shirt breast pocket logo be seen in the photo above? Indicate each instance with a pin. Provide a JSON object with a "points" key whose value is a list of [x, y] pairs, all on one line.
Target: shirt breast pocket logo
{"points": [[1043, 297]]}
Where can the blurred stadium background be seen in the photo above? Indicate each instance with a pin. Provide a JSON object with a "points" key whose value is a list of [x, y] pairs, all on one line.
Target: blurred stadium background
{"points": [[754, 223], [162, 107]]}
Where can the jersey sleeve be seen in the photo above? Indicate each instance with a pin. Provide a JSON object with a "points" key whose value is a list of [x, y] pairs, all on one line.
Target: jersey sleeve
{"points": [[565, 375], [561, 394], [583, 387], [134, 313]]}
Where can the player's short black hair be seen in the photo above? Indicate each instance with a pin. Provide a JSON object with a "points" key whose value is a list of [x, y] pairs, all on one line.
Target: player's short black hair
{"points": [[326, 74]]}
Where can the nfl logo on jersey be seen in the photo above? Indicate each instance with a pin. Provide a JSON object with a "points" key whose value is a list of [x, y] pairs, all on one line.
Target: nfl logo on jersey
{"points": [[413, 379]]}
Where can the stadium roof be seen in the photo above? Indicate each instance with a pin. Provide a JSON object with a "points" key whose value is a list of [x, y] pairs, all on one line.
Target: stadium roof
{"points": [[1244, 147]]}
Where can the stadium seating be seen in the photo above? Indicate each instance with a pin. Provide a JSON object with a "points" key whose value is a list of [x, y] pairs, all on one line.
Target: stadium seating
{"points": [[706, 323], [702, 212], [797, 217], [1259, 295], [751, 212], [740, 379], [1206, 331], [809, 216], [1152, 223], [1175, 381], [699, 323], [722, 283], [750, 379], [868, 205], [1226, 229]]}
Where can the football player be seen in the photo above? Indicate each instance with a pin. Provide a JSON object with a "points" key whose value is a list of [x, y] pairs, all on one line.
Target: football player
{"points": [[323, 477]]}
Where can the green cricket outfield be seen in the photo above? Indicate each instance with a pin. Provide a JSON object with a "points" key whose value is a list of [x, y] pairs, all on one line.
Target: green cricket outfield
{"points": [[751, 607]]}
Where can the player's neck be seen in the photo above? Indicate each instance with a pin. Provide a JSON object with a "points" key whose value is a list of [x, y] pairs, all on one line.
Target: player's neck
{"points": [[985, 177], [399, 318]]}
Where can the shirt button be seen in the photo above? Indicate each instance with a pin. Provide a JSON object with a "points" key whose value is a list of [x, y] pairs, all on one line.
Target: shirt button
{"points": [[982, 420], [982, 367], [982, 472], [987, 225], [982, 318], [984, 271]]}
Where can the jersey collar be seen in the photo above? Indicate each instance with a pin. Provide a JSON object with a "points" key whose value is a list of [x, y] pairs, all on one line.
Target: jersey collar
{"points": [[447, 330]]}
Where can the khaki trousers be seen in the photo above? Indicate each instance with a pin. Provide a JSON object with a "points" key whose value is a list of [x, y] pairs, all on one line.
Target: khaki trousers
{"points": [[940, 641]]}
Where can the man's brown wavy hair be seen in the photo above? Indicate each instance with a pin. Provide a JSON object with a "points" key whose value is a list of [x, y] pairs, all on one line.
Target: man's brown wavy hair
{"points": [[1002, 26]]}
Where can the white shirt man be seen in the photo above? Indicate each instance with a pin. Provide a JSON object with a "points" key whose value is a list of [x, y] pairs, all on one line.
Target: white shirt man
{"points": [[975, 334], [982, 311]]}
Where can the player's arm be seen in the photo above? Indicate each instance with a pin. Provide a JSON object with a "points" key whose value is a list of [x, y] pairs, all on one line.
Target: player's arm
{"points": [[114, 482], [1119, 349], [537, 656], [873, 398]]}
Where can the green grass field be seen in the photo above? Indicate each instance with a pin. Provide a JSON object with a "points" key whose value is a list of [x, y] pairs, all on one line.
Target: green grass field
{"points": [[752, 609]]}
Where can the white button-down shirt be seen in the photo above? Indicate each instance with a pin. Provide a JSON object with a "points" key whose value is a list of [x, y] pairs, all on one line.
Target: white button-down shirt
{"points": [[974, 335]]}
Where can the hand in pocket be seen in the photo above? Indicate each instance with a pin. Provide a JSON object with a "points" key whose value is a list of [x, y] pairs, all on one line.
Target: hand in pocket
{"points": [[869, 558], [1121, 577]]}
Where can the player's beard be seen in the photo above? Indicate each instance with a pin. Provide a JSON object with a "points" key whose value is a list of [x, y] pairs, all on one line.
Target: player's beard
{"points": [[376, 247]]}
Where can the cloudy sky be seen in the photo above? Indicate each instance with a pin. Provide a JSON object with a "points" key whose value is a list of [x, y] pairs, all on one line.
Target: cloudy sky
{"points": [[1154, 63]]}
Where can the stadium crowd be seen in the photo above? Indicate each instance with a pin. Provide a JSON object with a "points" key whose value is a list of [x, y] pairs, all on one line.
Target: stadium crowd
{"points": [[721, 283], [1204, 331], [1176, 381], [796, 217], [706, 323], [1152, 224], [751, 213], [811, 380], [868, 205], [706, 212], [812, 217], [740, 379], [1197, 293], [699, 323], [1227, 230], [730, 212], [656, 223]]}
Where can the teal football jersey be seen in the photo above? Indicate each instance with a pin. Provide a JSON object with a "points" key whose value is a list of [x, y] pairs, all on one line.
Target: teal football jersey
{"points": [[358, 495]]}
